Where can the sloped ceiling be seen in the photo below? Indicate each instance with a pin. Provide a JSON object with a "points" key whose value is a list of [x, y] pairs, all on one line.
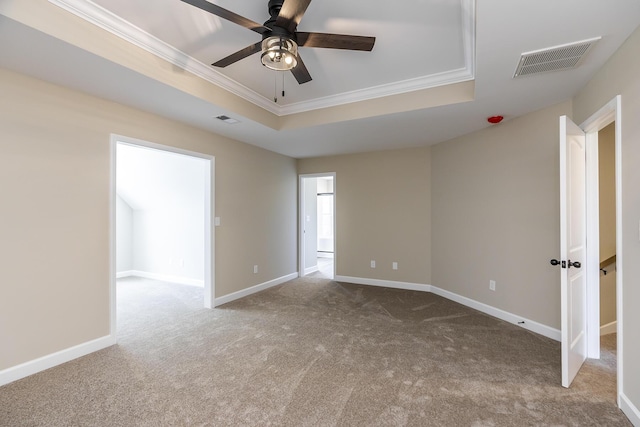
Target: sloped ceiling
{"points": [[149, 179]]}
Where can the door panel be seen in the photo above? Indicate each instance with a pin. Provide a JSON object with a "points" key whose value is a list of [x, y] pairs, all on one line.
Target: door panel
{"points": [[573, 281]]}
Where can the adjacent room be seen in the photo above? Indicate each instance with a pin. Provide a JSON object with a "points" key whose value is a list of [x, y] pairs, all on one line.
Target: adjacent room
{"points": [[160, 215], [294, 212], [317, 219]]}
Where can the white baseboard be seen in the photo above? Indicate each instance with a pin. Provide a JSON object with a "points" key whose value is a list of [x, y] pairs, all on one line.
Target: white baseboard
{"points": [[325, 255], [49, 361], [254, 289], [167, 278], [531, 325], [121, 274], [384, 283], [609, 328], [630, 410], [310, 270]]}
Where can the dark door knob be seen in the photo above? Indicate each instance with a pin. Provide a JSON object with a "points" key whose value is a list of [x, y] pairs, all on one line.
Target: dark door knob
{"points": [[575, 264], [563, 264]]}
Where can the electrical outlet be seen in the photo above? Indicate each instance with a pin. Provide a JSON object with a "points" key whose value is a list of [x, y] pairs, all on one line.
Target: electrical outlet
{"points": [[394, 265], [492, 285], [255, 269], [373, 263]]}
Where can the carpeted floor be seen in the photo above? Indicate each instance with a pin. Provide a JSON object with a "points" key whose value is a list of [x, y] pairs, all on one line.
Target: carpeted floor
{"points": [[313, 352]]}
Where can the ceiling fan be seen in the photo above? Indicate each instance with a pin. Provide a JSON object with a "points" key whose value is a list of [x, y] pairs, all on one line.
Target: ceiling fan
{"points": [[280, 38]]}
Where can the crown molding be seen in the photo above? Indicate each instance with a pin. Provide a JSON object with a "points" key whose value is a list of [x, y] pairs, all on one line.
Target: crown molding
{"points": [[119, 27], [114, 24], [396, 88]]}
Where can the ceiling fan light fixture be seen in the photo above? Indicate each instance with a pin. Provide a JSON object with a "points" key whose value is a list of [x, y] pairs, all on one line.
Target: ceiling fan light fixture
{"points": [[279, 53]]}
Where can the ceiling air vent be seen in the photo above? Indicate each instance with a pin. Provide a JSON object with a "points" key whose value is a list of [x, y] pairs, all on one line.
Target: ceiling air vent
{"points": [[554, 58], [227, 119]]}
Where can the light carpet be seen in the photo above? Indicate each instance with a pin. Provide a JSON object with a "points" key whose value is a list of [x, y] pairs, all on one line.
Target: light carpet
{"points": [[313, 352]]}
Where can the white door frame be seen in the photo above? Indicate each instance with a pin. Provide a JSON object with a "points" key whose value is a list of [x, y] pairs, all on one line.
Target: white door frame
{"points": [[301, 213], [209, 230], [611, 112]]}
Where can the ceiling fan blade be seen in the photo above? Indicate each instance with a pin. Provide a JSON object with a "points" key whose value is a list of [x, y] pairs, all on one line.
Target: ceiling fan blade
{"points": [[291, 14], [228, 15], [241, 54], [335, 41], [300, 72]]}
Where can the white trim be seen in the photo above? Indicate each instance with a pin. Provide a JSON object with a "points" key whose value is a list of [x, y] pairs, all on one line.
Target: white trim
{"points": [[325, 254], [209, 233], [310, 270], [522, 322], [122, 274], [405, 86], [209, 229], [629, 410], [301, 214], [114, 24], [113, 326], [619, 251], [592, 253], [469, 35], [609, 328], [140, 143], [384, 283], [254, 289], [49, 361], [611, 112], [168, 278]]}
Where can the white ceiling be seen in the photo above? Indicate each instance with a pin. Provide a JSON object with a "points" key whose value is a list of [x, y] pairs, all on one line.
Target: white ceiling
{"points": [[154, 179], [416, 44], [435, 26]]}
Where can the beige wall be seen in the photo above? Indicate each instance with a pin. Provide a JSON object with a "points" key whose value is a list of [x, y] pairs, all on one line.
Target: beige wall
{"points": [[607, 184], [383, 213], [607, 195], [621, 76], [496, 215], [491, 199], [54, 185], [608, 296]]}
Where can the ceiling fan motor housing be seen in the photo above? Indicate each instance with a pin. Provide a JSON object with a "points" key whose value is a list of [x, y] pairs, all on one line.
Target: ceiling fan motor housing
{"points": [[280, 45], [274, 11], [274, 8]]}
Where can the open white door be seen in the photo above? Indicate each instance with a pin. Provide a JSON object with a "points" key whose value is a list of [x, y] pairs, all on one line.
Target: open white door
{"points": [[573, 279]]}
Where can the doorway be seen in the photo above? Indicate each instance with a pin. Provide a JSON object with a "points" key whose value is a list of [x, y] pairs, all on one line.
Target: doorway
{"points": [[317, 225], [607, 225], [608, 115], [161, 209]]}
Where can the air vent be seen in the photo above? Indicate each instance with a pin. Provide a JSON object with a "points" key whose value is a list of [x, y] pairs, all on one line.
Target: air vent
{"points": [[555, 58], [227, 119]]}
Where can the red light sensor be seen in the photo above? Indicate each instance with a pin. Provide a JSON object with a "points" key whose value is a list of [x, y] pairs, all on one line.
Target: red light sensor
{"points": [[494, 120]]}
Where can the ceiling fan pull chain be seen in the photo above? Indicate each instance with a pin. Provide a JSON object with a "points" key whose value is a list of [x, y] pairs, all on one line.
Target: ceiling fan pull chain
{"points": [[282, 84], [275, 88]]}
